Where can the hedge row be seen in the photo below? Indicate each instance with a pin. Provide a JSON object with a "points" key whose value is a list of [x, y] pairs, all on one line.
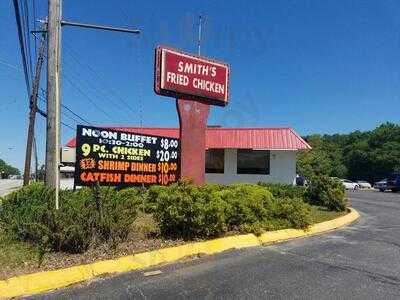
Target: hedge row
{"points": [[322, 191], [91, 216], [184, 210]]}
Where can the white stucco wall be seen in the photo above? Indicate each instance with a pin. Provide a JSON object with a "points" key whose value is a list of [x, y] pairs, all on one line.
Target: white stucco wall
{"points": [[282, 169]]}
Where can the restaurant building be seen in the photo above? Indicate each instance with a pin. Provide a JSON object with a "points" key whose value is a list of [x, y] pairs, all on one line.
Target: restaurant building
{"points": [[234, 154]]}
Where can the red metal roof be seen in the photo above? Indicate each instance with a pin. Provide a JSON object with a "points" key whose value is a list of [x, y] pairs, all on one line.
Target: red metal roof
{"points": [[240, 138]]}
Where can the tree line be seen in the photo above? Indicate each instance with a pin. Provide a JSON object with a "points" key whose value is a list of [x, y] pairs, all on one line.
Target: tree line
{"points": [[369, 155], [7, 170]]}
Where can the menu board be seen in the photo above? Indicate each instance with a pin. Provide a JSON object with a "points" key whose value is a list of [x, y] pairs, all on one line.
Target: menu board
{"points": [[121, 158]]}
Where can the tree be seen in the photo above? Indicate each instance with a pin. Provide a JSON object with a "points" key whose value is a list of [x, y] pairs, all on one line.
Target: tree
{"points": [[370, 155], [7, 170], [324, 159]]}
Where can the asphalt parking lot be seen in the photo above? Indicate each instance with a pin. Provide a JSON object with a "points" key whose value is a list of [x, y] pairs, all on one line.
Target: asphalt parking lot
{"points": [[361, 261]]}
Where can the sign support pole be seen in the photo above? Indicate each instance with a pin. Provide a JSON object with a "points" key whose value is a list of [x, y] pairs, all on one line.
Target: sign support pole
{"points": [[195, 82], [193, 117], [192, 132]]}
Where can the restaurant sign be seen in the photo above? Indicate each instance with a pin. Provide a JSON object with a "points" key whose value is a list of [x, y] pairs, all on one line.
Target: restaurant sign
{"points": [[120, 158], [187, 76]]}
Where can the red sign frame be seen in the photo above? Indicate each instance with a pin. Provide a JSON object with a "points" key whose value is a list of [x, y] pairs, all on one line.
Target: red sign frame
{"points": [[182, 75]]}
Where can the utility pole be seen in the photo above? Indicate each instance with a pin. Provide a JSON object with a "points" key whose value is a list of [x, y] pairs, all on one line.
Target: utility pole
{"points": [[36, 158], [54, 24], [33, 109], [53, 96]]}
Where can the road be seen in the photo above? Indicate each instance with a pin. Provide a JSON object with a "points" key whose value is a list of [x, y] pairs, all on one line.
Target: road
{"points": [[361, 261], [8, 185]]}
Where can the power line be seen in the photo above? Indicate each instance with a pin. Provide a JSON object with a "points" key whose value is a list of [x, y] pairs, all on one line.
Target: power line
{"points": [[43, 99], [139, 59], [43, 114], [69, 117], [87, 97], [76, 115], [26, 27], [92, 86], [34, 23], [72, 53], [2, 62], [68, 126], [21, 45]]}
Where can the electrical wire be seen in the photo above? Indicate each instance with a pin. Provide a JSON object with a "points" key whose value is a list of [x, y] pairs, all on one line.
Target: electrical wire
{"points": [[115, 103], [43, 99], [2, 62], [72, 53], [68, 126], [43, 114], [34, 24], [88, 97], [76, 115], [26, 29], [139, 60], [22, 45]]}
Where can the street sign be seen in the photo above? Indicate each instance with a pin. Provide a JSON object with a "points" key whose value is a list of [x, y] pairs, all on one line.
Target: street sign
{"points": [[121, 158], [182, 75]]}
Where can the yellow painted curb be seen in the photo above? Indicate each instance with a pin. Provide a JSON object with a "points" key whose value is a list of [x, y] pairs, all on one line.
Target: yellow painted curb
{"points": [[44, 281]]}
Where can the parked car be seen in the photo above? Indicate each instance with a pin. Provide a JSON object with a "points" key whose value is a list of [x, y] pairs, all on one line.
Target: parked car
{"points": [[393, 182], [349, 185], [364, 184], [381, 185], [301, 180]]}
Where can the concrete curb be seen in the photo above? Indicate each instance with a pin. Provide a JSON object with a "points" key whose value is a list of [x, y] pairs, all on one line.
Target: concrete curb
{"points": [[44, 281]]}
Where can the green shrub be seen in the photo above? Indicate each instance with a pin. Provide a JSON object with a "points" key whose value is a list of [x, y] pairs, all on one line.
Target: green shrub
{"points": [[151, 197], [296, 213], [145, 226], [25, 213], [76, 221], [91, 216], [247, 204], [85, 217], [184, 210], [328, 192], [284, 190], [119, 211]]}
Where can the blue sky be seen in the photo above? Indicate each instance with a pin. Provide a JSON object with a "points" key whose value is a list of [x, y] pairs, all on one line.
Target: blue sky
{"points": [[317, 66]]}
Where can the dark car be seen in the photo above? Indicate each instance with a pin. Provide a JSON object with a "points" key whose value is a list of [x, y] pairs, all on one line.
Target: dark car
{"points": [[393, 182], [381, 185]]}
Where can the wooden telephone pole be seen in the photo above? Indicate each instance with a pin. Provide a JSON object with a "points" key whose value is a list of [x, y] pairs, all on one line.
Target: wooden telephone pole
{"points": [[33, 109], [54, 24], [53, 97]]}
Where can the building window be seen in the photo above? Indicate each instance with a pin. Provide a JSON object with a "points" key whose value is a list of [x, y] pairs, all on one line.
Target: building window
{"points": [[215, 161], [253, 161]]}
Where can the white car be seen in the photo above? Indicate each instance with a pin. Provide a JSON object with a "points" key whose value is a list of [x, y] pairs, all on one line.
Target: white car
{"points": [[349, 185], [363, 184]]}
